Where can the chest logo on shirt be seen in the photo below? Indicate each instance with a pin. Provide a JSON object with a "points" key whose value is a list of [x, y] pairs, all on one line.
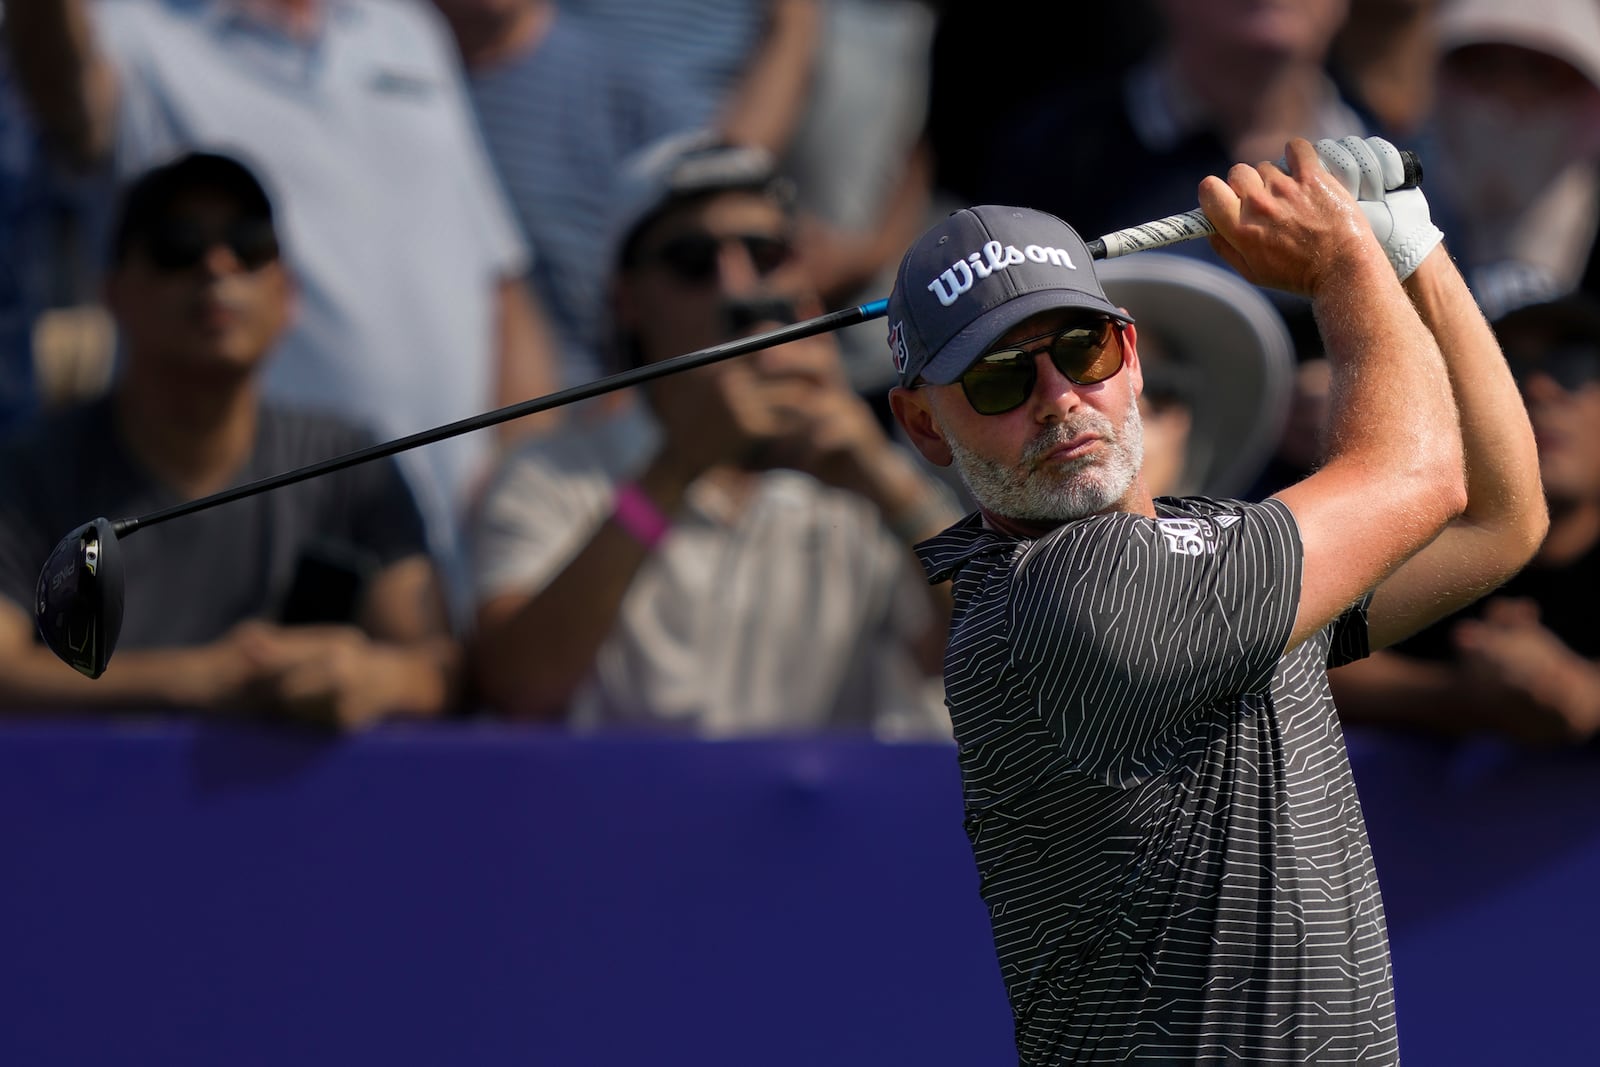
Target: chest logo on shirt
{"points": [[1193, 537], [403, 83]]}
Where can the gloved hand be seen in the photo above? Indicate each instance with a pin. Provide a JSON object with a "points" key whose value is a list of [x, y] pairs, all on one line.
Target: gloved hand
{"points": [[1371, 168]]}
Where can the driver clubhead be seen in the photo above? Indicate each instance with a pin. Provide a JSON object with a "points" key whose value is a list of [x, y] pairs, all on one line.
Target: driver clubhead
{"points": [[78, 604]]}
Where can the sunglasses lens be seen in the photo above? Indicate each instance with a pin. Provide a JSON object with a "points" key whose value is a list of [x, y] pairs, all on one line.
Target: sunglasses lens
{"points": [[253, 243], [767, 254], [692, 258], [1086, 353], [179, 245], [1570, 367], [175, 247], [998, 382]]}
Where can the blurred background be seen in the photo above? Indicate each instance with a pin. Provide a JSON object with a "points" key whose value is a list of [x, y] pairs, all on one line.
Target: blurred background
{"points": [[616, 735]]}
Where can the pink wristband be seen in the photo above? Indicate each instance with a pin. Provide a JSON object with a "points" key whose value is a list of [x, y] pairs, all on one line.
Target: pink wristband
{"points": [[637, 513]]}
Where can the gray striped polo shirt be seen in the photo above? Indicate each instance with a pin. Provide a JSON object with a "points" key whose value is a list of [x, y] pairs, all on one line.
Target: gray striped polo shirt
{"points": [[1158, 798]]}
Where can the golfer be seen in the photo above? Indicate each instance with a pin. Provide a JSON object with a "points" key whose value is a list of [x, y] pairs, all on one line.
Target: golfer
{"points": [[1157, 794]]}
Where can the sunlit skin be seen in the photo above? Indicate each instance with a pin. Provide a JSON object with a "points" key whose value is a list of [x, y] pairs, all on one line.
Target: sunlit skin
{"points": [[934, 416]]}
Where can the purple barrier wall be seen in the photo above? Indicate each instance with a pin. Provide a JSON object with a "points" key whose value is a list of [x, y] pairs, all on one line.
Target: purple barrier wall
{"points": [[484, 895]]}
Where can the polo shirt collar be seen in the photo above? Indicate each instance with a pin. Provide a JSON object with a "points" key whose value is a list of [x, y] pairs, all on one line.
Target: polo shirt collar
{"points": [[945, 553]]}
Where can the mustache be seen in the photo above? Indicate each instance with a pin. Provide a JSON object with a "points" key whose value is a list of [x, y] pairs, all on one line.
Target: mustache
{"points": [[1053, 437]]}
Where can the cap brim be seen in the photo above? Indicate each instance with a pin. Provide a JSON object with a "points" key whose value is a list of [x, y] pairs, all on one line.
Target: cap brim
{"points": [[1240, 351], [966, 346]]}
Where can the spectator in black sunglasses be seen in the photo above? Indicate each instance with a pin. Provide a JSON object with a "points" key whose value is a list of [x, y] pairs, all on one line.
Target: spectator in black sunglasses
{"points": [[1523, 663], [733, 554], [318, 602]]}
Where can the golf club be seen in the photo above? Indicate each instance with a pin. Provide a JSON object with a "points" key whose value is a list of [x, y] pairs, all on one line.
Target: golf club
{"points": [[79, 596]]}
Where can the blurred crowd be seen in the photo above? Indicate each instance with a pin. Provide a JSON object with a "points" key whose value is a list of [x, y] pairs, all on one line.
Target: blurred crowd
{"points": [[246, 235]]}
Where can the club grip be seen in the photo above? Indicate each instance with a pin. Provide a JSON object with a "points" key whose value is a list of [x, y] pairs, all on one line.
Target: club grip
{"points": [[1413, 164], [1188, 225]]}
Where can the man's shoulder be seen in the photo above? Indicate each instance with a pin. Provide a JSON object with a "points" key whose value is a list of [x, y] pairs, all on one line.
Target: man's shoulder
{"points": [[297, 435]]}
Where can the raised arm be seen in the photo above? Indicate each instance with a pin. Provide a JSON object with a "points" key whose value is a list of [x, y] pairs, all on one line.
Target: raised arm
{"points": [[1393, 478], [1505, 518], [69, 82]]}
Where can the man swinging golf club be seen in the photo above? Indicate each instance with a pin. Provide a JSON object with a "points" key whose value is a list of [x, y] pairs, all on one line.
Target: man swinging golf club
{"points": [[1158, 798]]}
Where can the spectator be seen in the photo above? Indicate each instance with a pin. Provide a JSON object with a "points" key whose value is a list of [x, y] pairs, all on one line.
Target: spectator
{"points": [[201, 297], [413, 312], [1218, 367], [561, 106], [1514, 161], [1524, 662], [1384, 59], [746, 63], [734, 555], [862, 170], [1232, 81]]}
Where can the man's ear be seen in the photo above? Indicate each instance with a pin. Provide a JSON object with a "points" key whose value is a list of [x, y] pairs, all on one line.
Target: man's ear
{"points": [[914, 413]]}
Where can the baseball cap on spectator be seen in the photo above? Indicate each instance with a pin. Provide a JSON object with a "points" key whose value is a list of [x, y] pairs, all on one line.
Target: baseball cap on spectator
{"points": [[1227, 350], [680, 167], [147, 201], [1566, 29], [975, 275], [1559, 337]]}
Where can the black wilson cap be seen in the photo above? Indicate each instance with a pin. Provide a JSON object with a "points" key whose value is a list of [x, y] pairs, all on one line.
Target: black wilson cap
{"points": [[975, 275]]}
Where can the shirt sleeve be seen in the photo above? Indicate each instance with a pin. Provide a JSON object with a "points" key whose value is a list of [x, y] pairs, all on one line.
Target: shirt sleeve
{"points": [[1123, 623], [536, 515], [1348, 635]]}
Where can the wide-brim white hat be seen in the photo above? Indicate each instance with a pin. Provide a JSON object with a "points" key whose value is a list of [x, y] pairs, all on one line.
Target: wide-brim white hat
{"points": [[1238, 353]]}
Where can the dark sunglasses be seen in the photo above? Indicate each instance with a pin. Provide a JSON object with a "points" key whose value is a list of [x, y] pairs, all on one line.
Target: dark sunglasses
{"points": [[692, 257], [1570, 366], [178, 244], [1086, 351]]}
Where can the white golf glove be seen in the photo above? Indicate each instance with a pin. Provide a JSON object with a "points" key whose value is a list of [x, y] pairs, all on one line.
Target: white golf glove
{"points": [[1371, 168]]}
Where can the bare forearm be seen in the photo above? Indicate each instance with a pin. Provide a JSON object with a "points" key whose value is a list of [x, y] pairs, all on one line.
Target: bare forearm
{"points": [[1504, 496], [1391, 408], [531, 654], [423, 679], [69, 84], [766, 104], [32, 679], [527, 360]]}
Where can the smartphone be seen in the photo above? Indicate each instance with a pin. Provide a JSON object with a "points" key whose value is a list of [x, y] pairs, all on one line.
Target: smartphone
{"points": [[330, 582]]}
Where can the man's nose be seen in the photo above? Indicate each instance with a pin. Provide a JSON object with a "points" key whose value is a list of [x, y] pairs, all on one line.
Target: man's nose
{"points": [[1054, 394], [735, 269], [219, 259]]}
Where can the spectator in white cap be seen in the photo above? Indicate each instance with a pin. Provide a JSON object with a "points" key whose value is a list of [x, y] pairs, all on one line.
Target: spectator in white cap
{"points": [[733, 555], [1515, 167]]}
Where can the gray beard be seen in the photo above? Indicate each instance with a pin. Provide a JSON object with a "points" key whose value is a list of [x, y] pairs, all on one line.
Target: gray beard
{"points": [[1085, 486]]}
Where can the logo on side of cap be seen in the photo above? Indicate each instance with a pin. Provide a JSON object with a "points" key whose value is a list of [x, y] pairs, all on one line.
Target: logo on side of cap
{"points": [[958, 278], [897, 347]]}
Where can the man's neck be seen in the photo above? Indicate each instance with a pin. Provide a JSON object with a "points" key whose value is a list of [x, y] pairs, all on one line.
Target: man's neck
{"points": [[1574, 531], [194, 437], [490, 40], [297, 18], [1137, 501]]}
